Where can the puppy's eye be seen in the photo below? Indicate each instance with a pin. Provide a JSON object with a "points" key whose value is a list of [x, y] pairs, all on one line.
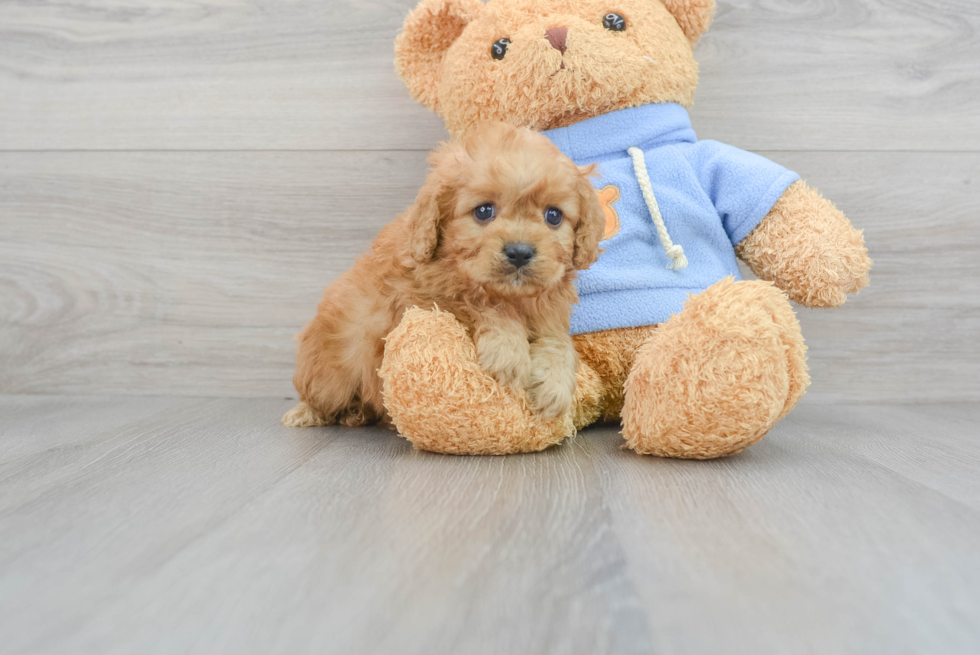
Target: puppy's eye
{"points": [[499, 48], [552, 216], [484, 213], [614, 22]]}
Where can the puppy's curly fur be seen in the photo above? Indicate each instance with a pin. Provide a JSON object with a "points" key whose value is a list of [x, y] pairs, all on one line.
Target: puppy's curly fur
{"points": [[439, 253]]}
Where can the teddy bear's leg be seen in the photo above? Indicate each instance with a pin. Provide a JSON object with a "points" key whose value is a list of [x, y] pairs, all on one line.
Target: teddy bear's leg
{"points": [[590, 390], [609, 357], [714, 379], [440, 399]]}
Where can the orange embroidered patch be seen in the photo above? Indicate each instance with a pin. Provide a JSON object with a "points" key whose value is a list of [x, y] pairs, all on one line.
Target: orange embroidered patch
{"points": [[607, 196]]}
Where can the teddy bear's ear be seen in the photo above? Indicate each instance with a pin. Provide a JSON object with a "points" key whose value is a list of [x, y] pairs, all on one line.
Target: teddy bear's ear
{"points": [[694, 16], [426, 35]]}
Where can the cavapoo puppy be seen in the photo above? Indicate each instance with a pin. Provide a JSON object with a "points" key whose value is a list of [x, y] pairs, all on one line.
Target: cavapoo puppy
{"points": [[495, 237]]}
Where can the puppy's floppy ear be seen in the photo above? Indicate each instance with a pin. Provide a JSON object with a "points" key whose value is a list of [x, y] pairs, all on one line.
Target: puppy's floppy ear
{"points": [[423, 225], [433, 203], [426, 35], [694, 16], [591, 222]]}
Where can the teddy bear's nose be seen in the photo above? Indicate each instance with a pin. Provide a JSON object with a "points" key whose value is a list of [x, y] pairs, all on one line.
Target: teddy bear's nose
{"points": [[556, 37]]}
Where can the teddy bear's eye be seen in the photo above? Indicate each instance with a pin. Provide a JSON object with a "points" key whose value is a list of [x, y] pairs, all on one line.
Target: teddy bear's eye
{"points": [[484, 213], [499, 48], [614, 22], [552, 215]]}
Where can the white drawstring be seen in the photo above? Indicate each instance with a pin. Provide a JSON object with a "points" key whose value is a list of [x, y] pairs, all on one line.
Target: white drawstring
{"points": [[676, 253]]}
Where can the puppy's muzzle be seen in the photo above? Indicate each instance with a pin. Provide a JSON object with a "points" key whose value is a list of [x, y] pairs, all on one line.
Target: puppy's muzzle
{"points": [[519, 254]]}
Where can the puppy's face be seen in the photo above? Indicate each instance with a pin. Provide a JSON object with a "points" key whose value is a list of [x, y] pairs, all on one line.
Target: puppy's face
{"points": [[515, 216]]}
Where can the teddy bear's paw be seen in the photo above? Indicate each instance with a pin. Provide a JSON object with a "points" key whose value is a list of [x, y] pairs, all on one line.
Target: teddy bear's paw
{"points": [[809, 249], [552, 380], [304, 416], [714, 379], [440, 398]]}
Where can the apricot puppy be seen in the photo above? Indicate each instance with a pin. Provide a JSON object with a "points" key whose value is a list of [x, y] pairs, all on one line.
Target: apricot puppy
{"points": [[495, 237]]}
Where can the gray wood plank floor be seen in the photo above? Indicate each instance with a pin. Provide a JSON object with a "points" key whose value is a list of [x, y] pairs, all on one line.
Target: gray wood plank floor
{"points": [[178, 182], [165, 525]]}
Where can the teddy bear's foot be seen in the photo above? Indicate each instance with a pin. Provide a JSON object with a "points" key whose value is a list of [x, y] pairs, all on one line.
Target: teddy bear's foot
{"points": [[440, 399], [714, 379]]}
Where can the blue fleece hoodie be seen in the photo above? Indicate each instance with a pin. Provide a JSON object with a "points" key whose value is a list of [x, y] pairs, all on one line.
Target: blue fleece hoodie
{"points": [[710, 195]]}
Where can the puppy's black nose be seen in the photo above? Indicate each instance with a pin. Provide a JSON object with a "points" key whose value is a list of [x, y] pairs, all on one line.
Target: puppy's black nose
{"points": [[519, 254]]}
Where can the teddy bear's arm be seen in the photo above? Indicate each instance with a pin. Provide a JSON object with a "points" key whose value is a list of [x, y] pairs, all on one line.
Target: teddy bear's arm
{"points": [[808, 248]]}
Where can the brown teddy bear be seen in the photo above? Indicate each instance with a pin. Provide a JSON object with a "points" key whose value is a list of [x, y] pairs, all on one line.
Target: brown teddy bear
{"points": [[695, 361]]}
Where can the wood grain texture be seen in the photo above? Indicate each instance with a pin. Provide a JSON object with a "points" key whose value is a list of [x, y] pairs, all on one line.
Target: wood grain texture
{"points": [[134, 523], [159, 525], [258, 74], [188, 273]]}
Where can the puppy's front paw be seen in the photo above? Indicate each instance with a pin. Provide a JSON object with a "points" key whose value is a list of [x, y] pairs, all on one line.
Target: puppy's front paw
{"points": [[552, 382], [505, 356]]}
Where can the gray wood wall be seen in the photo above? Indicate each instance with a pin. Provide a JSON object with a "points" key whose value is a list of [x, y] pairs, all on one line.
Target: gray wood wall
{"points": [[178, 181]]}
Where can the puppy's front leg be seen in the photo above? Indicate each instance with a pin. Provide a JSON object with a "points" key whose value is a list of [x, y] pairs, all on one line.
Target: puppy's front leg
{"points": [[552, 383], [504, 352]]}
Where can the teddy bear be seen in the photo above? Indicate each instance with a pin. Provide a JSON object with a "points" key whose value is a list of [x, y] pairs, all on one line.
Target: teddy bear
{"points": [[695, 361]]}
